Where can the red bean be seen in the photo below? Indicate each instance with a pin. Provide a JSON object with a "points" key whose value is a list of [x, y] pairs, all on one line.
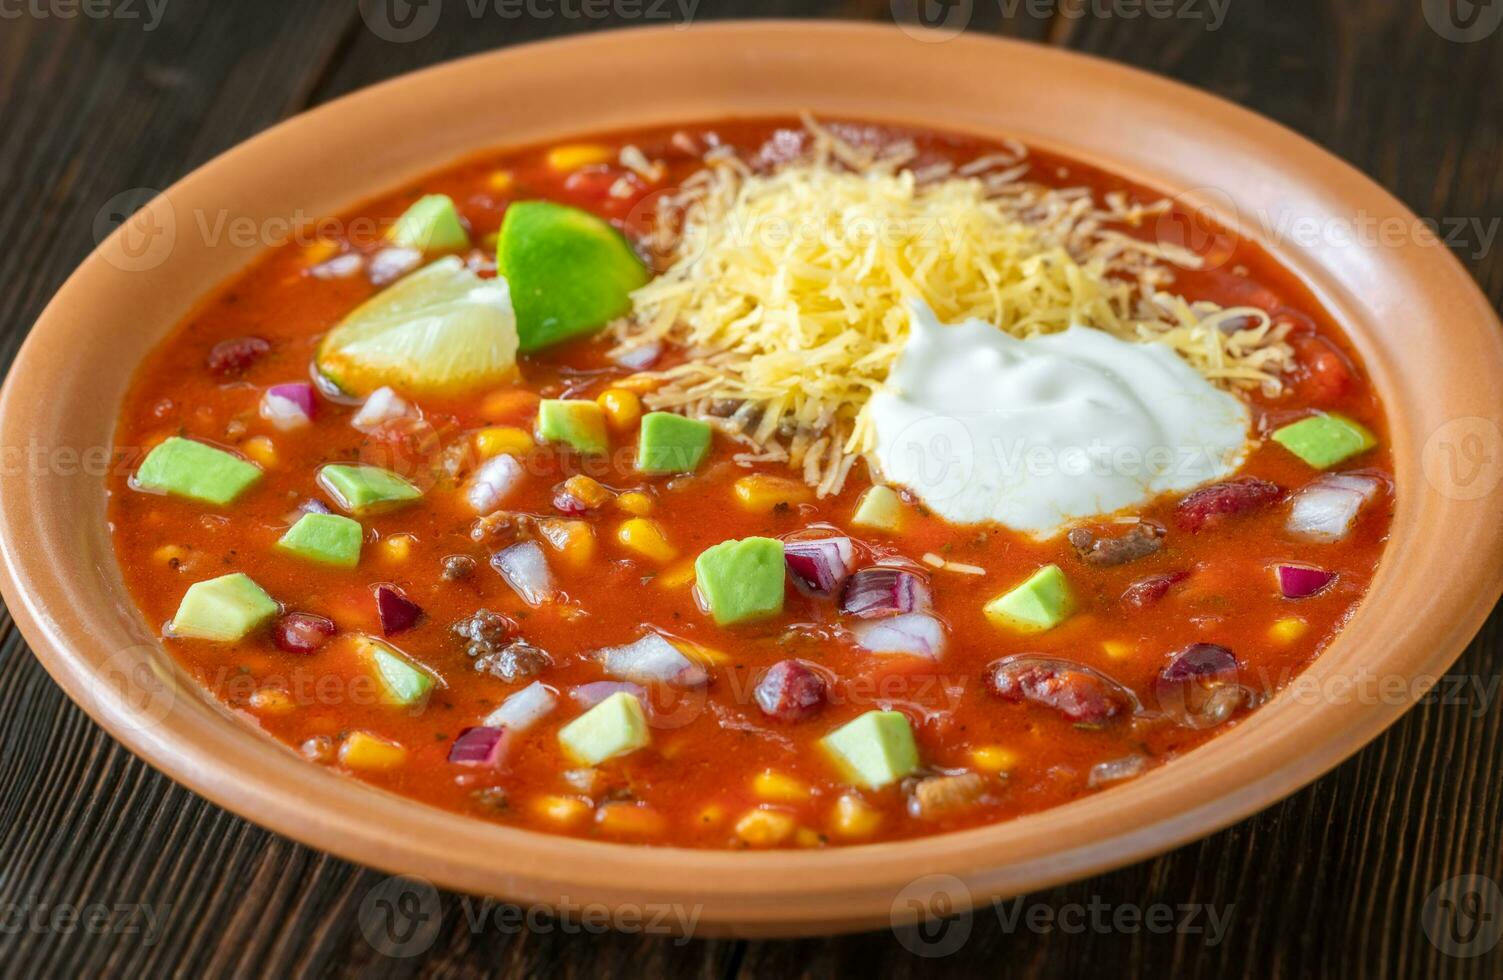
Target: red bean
{"points": [[789, 691], [1075, 691], [300, 632], [1200, 661], [398, 613], [1211, 505], [1146, 592], [231, 357]]}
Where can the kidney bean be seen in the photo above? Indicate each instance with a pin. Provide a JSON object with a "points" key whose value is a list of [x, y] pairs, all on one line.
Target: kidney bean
{"points": [[300, 632], [1075, 691], [790, 691], [232, 357], [1147, 591], [1212, 505], [1200, 661]]}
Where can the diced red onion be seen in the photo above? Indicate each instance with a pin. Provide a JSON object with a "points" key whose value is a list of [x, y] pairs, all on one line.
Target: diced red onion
{"points": [[790, 691], [1325, 510], [339, 267], [915, 634], [650, 660], [639, 358], [524, 709], [300, 632], [479, 746], [884, 590], [525, 569], [289, 406], [313, 506], [398, 613], [1302, 581], [393, 263], [591, 694], [819, 565], [496, 478], [383, 405]]}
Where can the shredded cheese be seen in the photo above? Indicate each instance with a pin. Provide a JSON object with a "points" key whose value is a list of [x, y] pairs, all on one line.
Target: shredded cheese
{"points": [[787, 287]]}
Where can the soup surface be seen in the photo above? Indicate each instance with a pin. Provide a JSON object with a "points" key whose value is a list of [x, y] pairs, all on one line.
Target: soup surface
{"points": [[581, 621]]}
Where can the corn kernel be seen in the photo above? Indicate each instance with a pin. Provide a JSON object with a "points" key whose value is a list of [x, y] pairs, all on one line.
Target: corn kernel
{"points": [[854, 818], [562, 810], [1118, 649], [510, 402], [712, 815], [879, 509], [271, 701], [261, 449], [573, 540], [623, 409], [587, 491], [764, 828], [497, 439], [320, 251], [676, 576], [777, 786], [641, 384], [805, 837], [500, 180], [169, 553], [398, 547], [635, 502], [572, 156], [646, 538], [1288, 629], [700, 654], [630, 818], [364, 751], [761, 493], [993, 758]]}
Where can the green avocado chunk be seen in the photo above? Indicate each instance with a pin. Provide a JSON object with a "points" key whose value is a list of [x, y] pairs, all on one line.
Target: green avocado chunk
{"points": [[431, 225], [365, 489], [573, 422], [874, 750], [197, 471], [613, 727], [223, 609], [1326, 439], [742, 580], [325, 538], [1039, 604], [671, 443], [403, 682], [570, 273]]}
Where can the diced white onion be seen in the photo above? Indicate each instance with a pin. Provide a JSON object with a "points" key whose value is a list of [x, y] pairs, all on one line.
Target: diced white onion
{"points": [[393, 263], [383, 405], [525, 569], [915, 634], [284, 413], [1325, 510], [339, 267], [524, 709], [492, 482], [651, 659]]}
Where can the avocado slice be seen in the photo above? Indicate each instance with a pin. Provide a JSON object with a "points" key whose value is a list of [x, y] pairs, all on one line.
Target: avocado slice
{"points": [[880, 509], [613, 727], [195, 470], [873, 750], [570, 273], [742, 580], [365, 489], [573, 422], [672, 443], [431, 225], [403, 682], [223, 609], [1039, 604], [1326, 439], [325, 538]]}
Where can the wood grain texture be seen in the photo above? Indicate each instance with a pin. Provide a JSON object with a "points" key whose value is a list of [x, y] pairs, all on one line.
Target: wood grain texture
{"points": [[1329, 882]]}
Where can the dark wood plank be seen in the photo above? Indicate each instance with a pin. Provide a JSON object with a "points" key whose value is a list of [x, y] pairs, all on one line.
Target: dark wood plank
{"points": [[1331, 881]]}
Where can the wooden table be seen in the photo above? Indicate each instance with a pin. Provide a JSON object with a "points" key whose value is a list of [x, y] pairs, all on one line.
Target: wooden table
{"points": [[1332, 881]]}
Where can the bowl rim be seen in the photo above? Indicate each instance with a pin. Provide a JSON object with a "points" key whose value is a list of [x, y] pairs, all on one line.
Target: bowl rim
{"points": [[849, 887]]}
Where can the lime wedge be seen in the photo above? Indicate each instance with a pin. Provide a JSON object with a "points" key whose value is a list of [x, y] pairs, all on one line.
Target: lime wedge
{"points": [[442, 330]]}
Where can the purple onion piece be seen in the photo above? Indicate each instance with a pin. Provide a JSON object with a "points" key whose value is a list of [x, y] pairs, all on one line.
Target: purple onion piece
{"points": [[884, 590], [591, 694], [819, 565], [479, 746], [398, 613], [1302, 581], [911, 634], [790, 691]]}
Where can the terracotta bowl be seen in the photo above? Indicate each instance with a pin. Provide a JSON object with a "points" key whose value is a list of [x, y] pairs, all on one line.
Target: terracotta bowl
{"points": [[1430, 339]]}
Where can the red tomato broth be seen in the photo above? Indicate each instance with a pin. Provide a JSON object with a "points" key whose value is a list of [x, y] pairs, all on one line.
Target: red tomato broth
{"points": [[697, 774]]}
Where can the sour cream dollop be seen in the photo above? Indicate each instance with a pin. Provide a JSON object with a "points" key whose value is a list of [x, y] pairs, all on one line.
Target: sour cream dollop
{"points": [[1037, 434]]}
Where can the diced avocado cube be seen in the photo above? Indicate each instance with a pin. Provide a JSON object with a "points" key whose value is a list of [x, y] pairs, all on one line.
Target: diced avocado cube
{"points": [[874, 750], [613, 727], [402, 681], [742, 580], [430, 225], [573, 422], [671, 443], [326, 538], [1039, 604], [1326, 439], [365, 489], [570, 273], [197, 471], [223, 609], [880, 509]]}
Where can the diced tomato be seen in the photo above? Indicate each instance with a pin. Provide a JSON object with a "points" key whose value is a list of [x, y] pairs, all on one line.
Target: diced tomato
{"points": [[1326, 376]]}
